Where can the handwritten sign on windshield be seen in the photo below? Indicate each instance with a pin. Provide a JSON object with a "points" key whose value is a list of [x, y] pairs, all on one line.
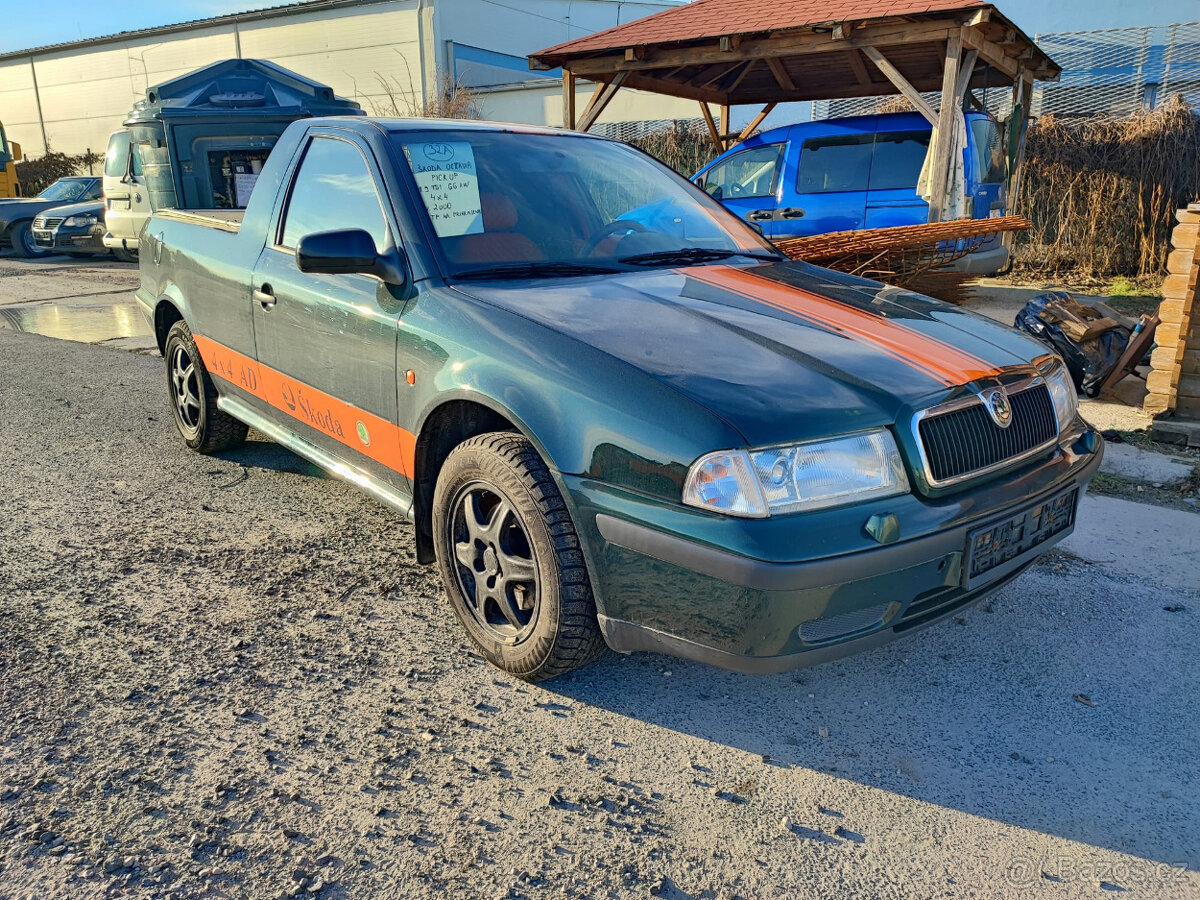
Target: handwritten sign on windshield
{"points": [[445, 174]]}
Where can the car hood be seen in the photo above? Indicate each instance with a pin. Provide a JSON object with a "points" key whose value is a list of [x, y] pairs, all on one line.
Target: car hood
{"points": [[86, 208], [782, 351]]}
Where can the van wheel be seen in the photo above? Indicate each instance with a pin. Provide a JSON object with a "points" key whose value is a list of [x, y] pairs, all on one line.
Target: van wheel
{"points": [[22, 242], [120, 254], [511, 560], [205, 428]]}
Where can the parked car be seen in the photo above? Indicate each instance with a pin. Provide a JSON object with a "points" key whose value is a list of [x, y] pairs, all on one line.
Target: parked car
{"points": [[17, 215], [603, 433], [853, 173], [76, 229]]}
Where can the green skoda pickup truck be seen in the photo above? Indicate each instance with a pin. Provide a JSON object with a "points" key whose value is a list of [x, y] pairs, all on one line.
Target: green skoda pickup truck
{"points": [[616, 416]]}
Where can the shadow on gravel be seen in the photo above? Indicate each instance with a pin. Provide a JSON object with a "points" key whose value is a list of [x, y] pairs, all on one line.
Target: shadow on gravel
{"points": [[260, 453], [981, 716]]}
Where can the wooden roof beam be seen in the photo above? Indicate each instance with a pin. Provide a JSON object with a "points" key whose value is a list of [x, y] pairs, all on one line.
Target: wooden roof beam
{"points": [[992, 54], [782, 78], [600, 99], [901, 84], [758, 120], [781, 45], [854, 57]]}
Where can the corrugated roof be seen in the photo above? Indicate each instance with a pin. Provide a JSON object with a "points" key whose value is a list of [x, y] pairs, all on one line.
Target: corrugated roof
{"points": [[714, 18]]}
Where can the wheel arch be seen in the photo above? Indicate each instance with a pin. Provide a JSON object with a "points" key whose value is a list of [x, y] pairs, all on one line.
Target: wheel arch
{"points": [[169, 309]]}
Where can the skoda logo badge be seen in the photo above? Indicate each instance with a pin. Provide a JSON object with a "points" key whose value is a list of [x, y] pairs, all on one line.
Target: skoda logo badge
{"points": [[999, 408], [362, 434]]}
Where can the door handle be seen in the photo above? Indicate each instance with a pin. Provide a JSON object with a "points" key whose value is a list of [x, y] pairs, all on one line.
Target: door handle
{"points": [[265, 296], [759, 215], [791, 212]]}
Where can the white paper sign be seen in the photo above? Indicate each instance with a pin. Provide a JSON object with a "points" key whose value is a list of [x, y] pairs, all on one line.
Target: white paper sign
{"points": [[243, 183], [445, 173]]}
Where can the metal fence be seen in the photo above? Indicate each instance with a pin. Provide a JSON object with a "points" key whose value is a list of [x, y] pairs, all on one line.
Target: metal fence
{"points": [[1111, 72]]}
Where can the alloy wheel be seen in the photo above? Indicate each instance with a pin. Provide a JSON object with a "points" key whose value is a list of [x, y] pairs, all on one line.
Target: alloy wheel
{"points": [[496, 568], [185, 390]]}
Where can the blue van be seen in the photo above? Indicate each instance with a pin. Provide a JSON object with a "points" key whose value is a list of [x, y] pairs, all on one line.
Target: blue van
{"points": [[860, 172]]}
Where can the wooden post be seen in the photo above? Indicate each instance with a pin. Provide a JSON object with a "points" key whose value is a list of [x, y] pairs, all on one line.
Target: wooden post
{"points": [[568, 91], [568, 99], [712, 127], [726, 125], [945, 127]]}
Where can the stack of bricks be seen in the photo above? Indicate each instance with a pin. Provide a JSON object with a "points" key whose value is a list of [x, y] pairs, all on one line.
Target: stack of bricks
{"points": [[1174, 385]]}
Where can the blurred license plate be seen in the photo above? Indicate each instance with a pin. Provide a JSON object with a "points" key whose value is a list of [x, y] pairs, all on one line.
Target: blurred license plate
{"points": [[999, 548], [45, 236]]}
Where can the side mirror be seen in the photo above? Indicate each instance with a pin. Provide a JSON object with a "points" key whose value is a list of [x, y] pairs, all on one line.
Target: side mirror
{"points": [[348, 252]]}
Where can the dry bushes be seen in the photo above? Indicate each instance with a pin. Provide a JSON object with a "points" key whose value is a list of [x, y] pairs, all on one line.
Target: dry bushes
{"points": [[685, 148], [38, 174], [1102, 192]]}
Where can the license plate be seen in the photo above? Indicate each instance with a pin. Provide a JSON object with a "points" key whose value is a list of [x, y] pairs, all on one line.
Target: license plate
{"points": [[1001, 547], [43, 236]]}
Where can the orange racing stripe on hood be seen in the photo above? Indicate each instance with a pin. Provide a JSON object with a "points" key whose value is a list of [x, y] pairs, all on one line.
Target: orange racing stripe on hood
{"points": [[934, 357], [385, 442]]}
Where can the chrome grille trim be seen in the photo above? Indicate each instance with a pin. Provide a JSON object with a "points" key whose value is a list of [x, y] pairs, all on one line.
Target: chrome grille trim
{"points": [[44, 222], [971, 435]]}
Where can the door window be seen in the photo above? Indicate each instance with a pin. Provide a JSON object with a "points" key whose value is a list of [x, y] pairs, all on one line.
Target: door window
{"points": [[897, 160], [333, 190], [836, 163], [750, 173], [989, 151]]}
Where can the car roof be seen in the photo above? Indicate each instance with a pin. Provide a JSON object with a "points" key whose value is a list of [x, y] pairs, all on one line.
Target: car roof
{"points": [[402, 125]]}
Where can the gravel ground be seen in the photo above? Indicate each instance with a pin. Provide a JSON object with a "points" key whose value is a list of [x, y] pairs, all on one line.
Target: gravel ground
{"points": [[227, 678]]}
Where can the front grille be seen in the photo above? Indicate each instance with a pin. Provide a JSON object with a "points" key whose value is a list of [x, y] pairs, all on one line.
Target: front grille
{"points": [[966, 440], [47, 222]]}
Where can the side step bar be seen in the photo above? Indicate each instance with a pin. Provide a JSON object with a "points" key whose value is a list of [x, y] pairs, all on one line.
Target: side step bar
{"points": [[384, 493]]}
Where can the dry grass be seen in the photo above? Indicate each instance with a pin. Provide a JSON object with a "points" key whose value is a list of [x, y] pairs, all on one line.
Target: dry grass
{"points": [[1102, 193], [684, 148]]}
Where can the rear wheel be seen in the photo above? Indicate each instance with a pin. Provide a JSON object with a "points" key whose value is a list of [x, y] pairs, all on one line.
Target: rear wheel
{"points": [[511, 560], [22, 242], [122, 255], [204, 427]]}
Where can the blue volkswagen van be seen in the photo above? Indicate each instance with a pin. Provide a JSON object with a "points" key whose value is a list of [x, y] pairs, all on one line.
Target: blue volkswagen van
{"points": [[860, 172]]}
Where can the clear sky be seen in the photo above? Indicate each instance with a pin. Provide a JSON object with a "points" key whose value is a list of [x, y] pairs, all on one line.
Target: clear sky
{"points": [[55, 21]]}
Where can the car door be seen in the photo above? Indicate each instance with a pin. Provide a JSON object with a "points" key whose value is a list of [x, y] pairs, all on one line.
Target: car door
{"points": [[831, 179], [747, 183], [329, 341], [895, 167], [126, 199]]}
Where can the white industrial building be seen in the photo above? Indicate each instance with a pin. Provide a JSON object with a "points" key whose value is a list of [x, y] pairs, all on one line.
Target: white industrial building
{"points": [[389, 55]]}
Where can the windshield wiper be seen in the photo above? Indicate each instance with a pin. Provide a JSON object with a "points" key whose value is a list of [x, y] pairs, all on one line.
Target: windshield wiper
{"points": [[534, 270], [692, 254]]}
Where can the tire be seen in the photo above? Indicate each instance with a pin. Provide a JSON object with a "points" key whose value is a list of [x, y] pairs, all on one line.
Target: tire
{"points": [[22, 242], [193, 396], [120, 254], [503, 534]]}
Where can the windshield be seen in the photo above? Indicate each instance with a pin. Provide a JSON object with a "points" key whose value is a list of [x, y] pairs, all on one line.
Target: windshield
{"points": [[65, 190], [523, 204]]}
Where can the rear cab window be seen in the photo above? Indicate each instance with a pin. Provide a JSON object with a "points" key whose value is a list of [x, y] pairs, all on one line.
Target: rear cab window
{"points": [[862, 162]]}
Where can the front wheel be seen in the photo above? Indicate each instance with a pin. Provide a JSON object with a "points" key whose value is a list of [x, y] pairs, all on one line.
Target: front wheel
{"points": [[120, 254], [23, 244], [204, 427], [511, 561]]}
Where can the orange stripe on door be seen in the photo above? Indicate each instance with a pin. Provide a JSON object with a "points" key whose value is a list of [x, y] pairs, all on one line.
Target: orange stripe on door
{"points": [[374, 437], [935, 357]]}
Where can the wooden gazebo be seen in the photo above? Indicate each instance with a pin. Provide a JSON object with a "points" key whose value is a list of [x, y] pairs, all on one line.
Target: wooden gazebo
{"points": [[764, 52]]}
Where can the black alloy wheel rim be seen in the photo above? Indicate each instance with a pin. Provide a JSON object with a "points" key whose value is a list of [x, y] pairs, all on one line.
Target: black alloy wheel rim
{"points": [[494, 563], [185, 390]]}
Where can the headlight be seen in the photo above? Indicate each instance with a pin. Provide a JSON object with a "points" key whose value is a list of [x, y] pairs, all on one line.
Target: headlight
{"points": [[796, 477], [1062, 392], [80, 220]]}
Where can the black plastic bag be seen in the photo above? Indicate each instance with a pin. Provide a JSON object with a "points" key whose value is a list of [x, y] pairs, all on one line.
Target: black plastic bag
{"points": [[1090, 343]]}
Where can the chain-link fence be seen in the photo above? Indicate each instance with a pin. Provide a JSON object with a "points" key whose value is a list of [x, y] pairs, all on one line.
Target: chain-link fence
{"points": [[1110, 72]]}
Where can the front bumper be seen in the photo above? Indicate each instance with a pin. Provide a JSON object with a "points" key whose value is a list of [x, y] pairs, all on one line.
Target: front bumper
{"points": [[768, 595], [71, 240]]}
